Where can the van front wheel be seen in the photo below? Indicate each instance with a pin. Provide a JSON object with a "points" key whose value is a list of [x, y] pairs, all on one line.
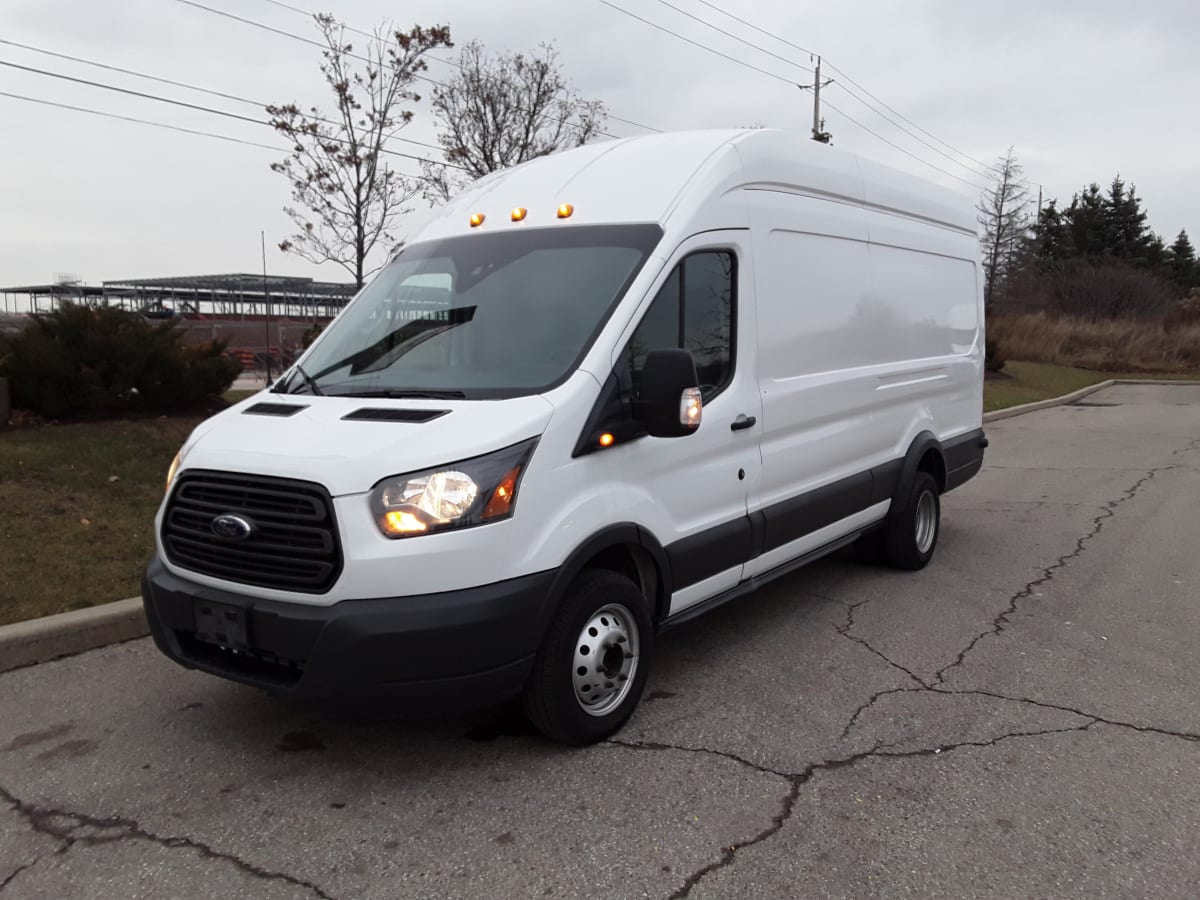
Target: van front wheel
{"points": [[912, 533], [591, 669]]}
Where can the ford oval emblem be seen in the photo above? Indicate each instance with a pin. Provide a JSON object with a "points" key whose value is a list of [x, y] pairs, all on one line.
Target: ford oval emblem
{"points": [[231, 527]]}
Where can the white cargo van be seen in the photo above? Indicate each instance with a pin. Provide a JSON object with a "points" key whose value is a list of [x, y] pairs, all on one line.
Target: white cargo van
{"points": [[601, 393]]}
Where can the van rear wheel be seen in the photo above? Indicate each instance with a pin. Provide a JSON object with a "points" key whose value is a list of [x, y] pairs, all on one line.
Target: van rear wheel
{"points": [[590, 671], [911, 534]]}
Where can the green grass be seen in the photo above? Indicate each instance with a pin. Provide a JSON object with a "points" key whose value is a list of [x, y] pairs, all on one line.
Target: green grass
{"points": [[1030, 382], [72, 536], [78, 507]]}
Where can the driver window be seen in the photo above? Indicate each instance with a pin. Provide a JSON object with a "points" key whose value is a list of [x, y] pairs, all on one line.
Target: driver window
{"points": [[694, 310]]}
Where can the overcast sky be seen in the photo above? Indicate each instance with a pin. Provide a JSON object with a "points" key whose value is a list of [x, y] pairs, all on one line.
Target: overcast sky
{"points": [[1081, 89]]}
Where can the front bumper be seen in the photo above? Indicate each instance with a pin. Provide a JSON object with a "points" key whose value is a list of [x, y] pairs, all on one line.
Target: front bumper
{"points": [[461, 649]]}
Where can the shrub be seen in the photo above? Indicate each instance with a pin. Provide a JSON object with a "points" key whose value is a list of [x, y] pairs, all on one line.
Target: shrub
{"points": [[1101, 288], [79, 361], [1185, 313], [992, 360], [1107, 345]]}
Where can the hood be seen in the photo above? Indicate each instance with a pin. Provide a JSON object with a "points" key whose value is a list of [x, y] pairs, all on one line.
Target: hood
{"points": [[348, 456]]}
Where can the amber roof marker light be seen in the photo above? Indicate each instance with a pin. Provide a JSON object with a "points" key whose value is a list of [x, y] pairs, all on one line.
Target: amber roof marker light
{"points": [[565, 210], [519, 213], [477, 219]]}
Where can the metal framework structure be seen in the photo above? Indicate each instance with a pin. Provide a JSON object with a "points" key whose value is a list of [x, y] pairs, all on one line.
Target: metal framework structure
{"points": [[194, 297]]}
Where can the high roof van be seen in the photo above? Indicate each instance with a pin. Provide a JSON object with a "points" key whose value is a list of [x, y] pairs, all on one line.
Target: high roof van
{"points": [[601, 393]]}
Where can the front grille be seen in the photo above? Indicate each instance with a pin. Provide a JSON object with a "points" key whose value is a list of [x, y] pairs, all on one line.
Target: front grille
{"points": [[293, 544]]}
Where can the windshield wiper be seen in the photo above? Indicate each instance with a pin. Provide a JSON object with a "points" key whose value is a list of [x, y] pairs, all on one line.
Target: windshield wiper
{"points": [[414, 393], [307, 381]]}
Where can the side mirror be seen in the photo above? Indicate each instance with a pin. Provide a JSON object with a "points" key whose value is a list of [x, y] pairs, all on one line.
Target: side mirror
{"points": [[669, 405]]}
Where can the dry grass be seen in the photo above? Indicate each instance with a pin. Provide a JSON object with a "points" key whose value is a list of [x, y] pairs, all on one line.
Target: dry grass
{"points": [[1116, 345]]}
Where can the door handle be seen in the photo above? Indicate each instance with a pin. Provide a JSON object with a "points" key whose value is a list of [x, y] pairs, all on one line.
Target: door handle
{"points": [[742, 422]]}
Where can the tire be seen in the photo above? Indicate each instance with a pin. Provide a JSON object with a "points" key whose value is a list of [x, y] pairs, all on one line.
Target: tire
{"points": [[911, 535], [570, 698]]}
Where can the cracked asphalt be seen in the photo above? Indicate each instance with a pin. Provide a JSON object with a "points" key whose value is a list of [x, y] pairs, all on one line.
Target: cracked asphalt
{"points": [[1021, 718]]}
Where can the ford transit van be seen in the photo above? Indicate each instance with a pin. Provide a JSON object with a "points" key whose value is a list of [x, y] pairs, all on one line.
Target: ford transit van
{"points": [[601, 393]]}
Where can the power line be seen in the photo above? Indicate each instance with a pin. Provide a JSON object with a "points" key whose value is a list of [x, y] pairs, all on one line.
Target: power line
{"points": [[112, 115], [727, 34], [756, 28], [906, 119], [780, 78], [734, 59], [155, 124], [131, 92], [901, 149], [180, 84], [916, 137], [449, 62], [297, 37], [847, 78], [197, 107]]}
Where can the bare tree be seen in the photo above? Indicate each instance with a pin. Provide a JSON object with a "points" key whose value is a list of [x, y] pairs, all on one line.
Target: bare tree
{"points": [[1004, 217], [501, 110], [345, 197]]}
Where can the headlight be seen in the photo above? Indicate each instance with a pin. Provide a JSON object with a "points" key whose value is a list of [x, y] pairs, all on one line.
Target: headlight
{"points": [[473, 492], [174, 470]]}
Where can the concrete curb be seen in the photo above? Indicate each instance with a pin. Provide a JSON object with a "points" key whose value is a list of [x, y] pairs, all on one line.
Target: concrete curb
{"points": [[1011, 411], [1046, 404], [51, 637]]}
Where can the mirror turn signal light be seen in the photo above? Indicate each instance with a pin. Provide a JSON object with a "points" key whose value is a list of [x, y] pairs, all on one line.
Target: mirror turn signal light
{"points": [[691, 407]]}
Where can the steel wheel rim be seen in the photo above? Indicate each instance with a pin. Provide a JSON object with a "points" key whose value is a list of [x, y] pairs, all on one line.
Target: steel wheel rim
{"points": [[926, 522], [605, 660]]}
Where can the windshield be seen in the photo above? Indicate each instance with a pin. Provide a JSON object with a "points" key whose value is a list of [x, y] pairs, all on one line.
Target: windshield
{"points": [[481, 315]]}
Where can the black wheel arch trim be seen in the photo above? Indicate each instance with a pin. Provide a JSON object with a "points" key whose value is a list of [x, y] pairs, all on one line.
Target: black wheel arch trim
{"points": [[620, 534], [921, 444]]}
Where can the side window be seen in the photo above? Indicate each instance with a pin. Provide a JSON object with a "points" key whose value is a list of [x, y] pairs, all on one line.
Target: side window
{"points": [[708, 317], [695, 310]]}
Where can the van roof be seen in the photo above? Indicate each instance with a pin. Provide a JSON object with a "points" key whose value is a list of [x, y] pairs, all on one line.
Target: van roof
{"points": [[642, 180]]}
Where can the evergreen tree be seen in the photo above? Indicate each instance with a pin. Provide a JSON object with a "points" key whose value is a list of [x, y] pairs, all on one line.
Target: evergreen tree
{"points": [[1155, 255], [1182, 263], [1125, 232], [1087, 221], [1051, 241]]}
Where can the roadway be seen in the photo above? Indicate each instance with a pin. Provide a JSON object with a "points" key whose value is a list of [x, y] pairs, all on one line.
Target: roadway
{"points": [[1021, 718]]}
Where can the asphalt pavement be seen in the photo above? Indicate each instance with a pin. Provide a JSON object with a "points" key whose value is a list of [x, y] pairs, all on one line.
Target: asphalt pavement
{"points": [[1021, 718]]}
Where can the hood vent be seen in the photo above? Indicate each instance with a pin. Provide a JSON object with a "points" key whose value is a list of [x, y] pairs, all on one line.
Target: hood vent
{"points": [[367, 414], [274, 409]]}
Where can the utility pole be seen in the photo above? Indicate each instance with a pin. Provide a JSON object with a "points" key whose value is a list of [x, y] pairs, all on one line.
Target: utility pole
{"points": [[819, 133], [266, 307], [1039, 207]]}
